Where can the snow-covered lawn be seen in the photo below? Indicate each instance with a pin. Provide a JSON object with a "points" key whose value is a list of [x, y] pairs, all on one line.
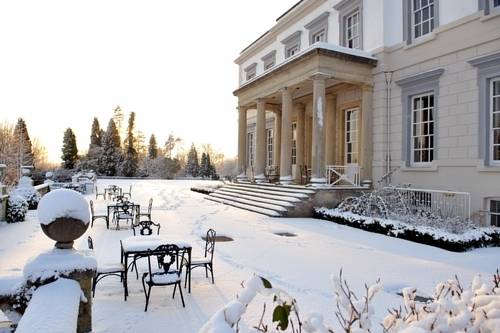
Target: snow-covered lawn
{"points": [[302, 265]]}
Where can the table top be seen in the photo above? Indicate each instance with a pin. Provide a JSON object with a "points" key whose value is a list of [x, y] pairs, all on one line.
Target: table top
{"points": [[145, 243]]}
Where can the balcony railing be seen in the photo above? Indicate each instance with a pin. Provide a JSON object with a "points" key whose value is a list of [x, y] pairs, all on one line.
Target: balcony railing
{"points": [[447, 204], [343, 175]]}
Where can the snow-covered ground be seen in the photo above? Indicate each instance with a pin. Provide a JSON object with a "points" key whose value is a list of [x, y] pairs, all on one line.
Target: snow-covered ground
{"points": [[302, 265]]}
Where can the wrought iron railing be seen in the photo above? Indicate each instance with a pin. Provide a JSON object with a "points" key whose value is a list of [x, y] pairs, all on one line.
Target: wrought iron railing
{"points": [[343, 175], [447, 204]]}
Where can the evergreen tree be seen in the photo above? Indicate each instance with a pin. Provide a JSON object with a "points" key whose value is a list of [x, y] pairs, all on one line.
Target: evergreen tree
{"points": [[211, 173], [95, 134], [170, 144], [192, 165], [22, 145], [111, 156], [152, 148], [203, 166], [118, 119], [131, 161], [69, 149]]}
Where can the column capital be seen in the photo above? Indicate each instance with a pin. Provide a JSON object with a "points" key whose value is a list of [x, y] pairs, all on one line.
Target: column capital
{"points": [[319, 77], [366, 87]]}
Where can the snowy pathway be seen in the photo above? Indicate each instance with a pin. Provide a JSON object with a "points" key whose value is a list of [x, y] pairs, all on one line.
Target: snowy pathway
{"points": [[303, 264]]}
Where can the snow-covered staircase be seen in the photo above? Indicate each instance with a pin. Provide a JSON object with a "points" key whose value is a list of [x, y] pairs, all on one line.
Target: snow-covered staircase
{"points": [[268, 199]]}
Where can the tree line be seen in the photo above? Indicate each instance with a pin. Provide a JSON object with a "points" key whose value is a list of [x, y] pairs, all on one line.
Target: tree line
{"points": [[108, 155]]}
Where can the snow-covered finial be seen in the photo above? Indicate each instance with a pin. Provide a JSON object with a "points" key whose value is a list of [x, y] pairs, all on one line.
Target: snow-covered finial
{"points": [[64, 216]]}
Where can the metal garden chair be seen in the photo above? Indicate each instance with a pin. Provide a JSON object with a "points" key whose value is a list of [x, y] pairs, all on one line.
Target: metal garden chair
{"points": [[96, 217], [207, 260]]}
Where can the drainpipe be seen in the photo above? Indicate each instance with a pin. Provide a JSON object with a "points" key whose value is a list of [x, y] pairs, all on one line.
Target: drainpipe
{"points": [[388, 83]]}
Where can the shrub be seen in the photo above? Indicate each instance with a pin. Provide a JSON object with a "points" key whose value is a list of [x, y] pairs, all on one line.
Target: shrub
{"points": [[17, 207], [29, 194]]}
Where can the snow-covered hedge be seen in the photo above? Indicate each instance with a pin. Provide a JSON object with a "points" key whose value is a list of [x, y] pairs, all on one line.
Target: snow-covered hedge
{"points": [[30, 194], [17, 207], [452, 309], [474, 238]]}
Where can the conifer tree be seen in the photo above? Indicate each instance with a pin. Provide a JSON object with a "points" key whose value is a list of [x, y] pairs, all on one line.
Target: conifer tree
{"points": [[118, 118], [152, 148], [111, 156], [192, 164], [95, 134], [131, 161], [22, 145], [203, 166], [69, 149]]}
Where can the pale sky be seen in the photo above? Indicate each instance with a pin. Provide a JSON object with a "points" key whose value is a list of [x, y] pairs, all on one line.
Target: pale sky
{"points": [[62, 62]]}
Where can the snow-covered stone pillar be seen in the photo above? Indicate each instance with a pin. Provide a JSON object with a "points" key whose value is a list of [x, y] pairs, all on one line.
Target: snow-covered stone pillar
{"points": [[286, 137], [260, 141], [242, 142], [366, 146], [331, 101], [318, 130], [300, 111], [277, 137]]}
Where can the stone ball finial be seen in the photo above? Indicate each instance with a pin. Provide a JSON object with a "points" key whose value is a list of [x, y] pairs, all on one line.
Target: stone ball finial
{"points": [[64, 216]]}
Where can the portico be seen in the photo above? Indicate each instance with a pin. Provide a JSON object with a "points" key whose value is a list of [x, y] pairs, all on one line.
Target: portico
{"points": [[314, 113]]}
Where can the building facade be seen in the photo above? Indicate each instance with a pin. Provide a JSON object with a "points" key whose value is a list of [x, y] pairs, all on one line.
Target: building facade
{"points": [[353, 92]]}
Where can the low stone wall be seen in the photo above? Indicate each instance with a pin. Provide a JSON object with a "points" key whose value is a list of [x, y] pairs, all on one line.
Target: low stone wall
{"points": [[4, 197]]}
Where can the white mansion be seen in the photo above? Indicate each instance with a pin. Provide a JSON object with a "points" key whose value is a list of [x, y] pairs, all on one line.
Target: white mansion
{"points": [[376, 92]]}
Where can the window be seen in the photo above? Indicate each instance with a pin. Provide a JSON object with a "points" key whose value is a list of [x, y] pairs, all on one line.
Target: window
{"points": [[495, 120], [494, 212], [319, 36], [269, 143], [291, 51], [251, 71], [420, 110], [422, 17], [422, 129], [292, 44], [351, 23], [318, 29], [351, 136], [294, 143], [250, 149], [269, 60], [495, 3], [352, 37]]}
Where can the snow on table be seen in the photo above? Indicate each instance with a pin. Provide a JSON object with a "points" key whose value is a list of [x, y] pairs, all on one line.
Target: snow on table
{"points": [[145, 243], [53, 308], [56, 261]]}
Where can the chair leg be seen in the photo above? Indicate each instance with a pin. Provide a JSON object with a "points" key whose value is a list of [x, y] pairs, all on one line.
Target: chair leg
{"points": [[175, 288], [147, 298], [212, 272], [92, 223], [206, 271], [94, 282], [188, 271], [182, 297], [107, 223]]}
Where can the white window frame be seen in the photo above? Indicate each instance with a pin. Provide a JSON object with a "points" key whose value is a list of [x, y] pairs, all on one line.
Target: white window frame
{"points": [[292, 50], [350, 27], [491, 213], [250, 149], [294, 143], [492, 129], [251, 71], [269, 145], [319, 36], [492, 5], [431, 20], [351, 136], [421, 123], [292, 44]]}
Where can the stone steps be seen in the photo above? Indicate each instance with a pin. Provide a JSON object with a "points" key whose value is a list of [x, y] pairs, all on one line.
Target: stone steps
{"points": [[267, 199]]}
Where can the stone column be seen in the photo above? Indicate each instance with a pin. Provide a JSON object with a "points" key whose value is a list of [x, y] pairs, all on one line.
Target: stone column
{"points": [[260, 141], [286, 137], [242, 142], [301, 136], [277, 138], [366, 140], [318, 132], [331, 102]]}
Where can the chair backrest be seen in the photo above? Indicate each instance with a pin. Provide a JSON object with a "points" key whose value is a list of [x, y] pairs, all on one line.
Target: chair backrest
{"points": [[166, 256], [90, 243], [145, 226], [150, 205], [210, 243]]}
